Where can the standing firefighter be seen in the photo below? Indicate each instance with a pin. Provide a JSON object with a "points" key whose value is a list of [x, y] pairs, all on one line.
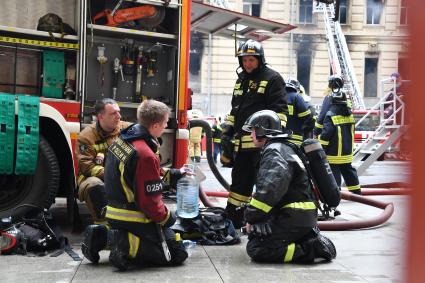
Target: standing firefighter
{"points": [[195, 139], [258, 87], [298, 112], [337, 139], [216, 138], [335, 84], [282, 215], [92, 145], [137, 215]]}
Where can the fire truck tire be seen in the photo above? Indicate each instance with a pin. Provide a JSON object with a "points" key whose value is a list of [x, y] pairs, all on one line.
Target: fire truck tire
{"points": [[39, 189]]}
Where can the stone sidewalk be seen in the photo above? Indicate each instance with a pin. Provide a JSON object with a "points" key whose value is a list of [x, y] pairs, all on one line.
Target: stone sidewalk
{"points": [[367, 255]]}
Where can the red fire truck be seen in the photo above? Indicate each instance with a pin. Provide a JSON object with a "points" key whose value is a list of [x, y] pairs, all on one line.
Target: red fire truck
{"points": [[81, 51]]}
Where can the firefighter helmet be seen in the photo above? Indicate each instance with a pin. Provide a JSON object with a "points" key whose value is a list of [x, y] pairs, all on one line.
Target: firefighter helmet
{"points": [[265, 122], [293, 83], [251, 48], [335, 82]]}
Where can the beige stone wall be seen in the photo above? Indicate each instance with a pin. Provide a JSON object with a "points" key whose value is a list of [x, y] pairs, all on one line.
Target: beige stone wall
{"points": [[387, 41]]}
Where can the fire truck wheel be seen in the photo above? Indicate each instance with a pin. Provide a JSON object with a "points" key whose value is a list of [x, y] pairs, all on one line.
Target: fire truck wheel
{"points": [[39, 189]]}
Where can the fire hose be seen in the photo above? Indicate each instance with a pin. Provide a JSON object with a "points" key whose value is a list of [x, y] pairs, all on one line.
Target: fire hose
{"points": [[388, 208]]}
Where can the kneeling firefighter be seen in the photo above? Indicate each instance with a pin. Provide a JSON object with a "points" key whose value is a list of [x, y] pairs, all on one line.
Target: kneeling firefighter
{"points": [[282, 214], [139, 219]]}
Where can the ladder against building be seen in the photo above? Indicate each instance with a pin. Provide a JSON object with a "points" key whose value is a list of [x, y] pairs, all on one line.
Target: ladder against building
{"points": [[391, 127], [339, 56]]}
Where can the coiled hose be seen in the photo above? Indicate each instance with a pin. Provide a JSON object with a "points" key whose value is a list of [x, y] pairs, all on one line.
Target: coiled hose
{"points": [[388, 208]]}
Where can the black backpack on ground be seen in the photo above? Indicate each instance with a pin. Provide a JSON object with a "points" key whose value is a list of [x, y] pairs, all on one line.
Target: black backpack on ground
{"points": [[37, 233], [211, 227]]}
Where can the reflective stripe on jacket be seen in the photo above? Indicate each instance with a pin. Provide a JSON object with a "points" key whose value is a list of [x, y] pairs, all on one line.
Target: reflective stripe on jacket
{"points": [[283, 196], [260, 90], [337, 137], [298, 114], [91, 142]]}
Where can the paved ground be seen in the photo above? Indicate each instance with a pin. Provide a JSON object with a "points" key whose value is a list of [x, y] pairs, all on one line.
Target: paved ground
{"points": [[367, 255]]}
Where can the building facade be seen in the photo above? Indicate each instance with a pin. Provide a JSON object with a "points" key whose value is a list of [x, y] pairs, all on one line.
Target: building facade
{"points": [[375, 31]]}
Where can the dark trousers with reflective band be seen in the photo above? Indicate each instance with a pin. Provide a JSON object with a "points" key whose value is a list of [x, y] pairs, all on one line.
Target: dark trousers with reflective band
{"points": [[294, 247], [217, 150], [243, 180], [147, 245], [349, 173]]}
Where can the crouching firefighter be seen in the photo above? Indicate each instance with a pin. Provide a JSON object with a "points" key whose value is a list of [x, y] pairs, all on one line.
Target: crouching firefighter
{"points": [[282, 214], [137, 215]]}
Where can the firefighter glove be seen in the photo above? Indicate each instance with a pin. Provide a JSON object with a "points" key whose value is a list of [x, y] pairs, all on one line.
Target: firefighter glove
{"points": [[226, 157], [261, 229]]}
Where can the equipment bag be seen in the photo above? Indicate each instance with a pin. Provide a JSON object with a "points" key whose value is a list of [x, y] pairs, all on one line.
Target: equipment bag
{"points": [[39, 234], [211, 227]]}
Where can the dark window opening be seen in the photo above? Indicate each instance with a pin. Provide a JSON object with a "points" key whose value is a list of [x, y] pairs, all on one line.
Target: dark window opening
{"points": [[252, 7], [343, 11], [303, 70], [306, 12], [403, 12], [370, 77], [374, 11], [195, 52]]}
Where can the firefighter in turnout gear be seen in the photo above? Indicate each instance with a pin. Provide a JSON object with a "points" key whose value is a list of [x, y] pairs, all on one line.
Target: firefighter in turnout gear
{"points": [[195, 139], [216, 138], [337, 139], [335, 84], [140, 222], [308, 124], [282, 214], [257, 88], [298, 112], [92, 145]]}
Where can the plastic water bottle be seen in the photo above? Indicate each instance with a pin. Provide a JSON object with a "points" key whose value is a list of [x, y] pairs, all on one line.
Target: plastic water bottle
{"points": [[188, 195], [188, 244]]}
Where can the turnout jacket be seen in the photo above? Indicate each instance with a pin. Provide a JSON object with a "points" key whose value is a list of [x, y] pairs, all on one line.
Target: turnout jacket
{"points": [[93, 142], [298, 116], [284, 196], [321, 117], [216, 133], [262, 89], [337, 137], [133, 180]]}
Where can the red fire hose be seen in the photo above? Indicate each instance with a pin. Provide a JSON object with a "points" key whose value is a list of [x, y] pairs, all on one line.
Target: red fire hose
{"points": [[388, 208]]}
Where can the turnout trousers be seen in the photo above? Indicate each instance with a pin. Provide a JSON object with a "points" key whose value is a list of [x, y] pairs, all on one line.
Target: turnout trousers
{"points": [[349, 173], [243, 181], [145, 247]]}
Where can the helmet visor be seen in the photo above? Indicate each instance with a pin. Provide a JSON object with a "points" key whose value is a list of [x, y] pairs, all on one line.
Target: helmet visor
{"points": [[247, 128]]}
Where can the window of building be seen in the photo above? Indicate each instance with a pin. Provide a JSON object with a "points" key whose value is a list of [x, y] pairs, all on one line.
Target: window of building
{"points": [[306, 12], [303, 70], [374, 11], [343, 11], [370, 77], [403, 12], [252, 7]]}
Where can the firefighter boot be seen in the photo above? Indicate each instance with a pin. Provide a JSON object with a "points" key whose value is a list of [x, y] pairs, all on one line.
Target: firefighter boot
{"points": [[118, 243], [95, 239], [324, 248]]}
